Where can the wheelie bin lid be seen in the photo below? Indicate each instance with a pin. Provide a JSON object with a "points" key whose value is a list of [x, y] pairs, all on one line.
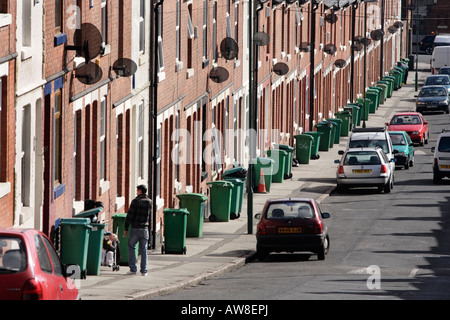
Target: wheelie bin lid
{"points": [[76, 221], [304, 136], [273, 151], [312, 133], [220, 183], [263, 161], [285, 147], [238, 172], [236, 181], [180, 211], [89, 213], [119, 215], [197, 196]]}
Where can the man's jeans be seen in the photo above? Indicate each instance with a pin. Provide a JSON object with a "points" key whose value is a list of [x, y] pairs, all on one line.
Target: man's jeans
{"points": [[141, 236]]}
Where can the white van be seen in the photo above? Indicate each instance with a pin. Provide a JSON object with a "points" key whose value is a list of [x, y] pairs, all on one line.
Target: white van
{"points": [[441, 40], [440, 58]]}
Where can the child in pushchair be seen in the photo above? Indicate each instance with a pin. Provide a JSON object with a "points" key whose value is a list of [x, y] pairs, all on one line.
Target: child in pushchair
{"points": [[110, 252]]}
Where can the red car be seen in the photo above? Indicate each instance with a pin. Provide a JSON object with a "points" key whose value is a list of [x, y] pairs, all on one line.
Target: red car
{"points": [[413, 123], [30, 268], [289, 225]]}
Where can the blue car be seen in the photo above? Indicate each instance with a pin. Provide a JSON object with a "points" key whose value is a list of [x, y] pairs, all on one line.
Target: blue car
{"points": [[403, 149]]}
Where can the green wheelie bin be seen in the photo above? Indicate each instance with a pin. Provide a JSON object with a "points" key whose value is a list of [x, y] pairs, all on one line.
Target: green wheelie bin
{"points": [[372, 96], [288, 162], [381, 96], [356, 113], [383, 86], [267, 166], [346, 118], [220, 200], [338, 124], [240, 173], [94, 258], [175, 221], [303, 145], [195, 204], [365, 107], [75, 242], [118, 229], [279, 158], [325, 139], [315, 143], [391, 82], [237, 195]]}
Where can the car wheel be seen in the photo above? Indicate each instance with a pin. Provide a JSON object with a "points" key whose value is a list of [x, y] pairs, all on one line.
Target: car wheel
{"points": [[407, 165], [448, 110], [422, 142], [388, 187], [437, 178], [411, 162], [261, 254], [429, 50]]}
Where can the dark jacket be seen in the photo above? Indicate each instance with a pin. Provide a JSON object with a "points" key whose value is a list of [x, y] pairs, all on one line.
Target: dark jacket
{"points": [[138, 215]]}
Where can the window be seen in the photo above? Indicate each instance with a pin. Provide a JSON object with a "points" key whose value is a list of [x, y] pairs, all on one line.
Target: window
{"points": [[25, 155], [44, 260], [205, 32], [103, 139], [140, 139], [142, 27], [57, 138], [1, 126], [159, 31], [104, 23], [214, 41], [77, 155], [58, 16], [54, 258], [119, 144], [26, 23], [178, 31]]}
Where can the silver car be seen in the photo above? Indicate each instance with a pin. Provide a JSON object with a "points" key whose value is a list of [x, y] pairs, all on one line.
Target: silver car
{"points": [[438, 80], [364, 167]]}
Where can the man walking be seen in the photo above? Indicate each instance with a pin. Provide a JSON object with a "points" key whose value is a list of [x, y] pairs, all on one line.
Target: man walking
{"points": [[138, 218]]}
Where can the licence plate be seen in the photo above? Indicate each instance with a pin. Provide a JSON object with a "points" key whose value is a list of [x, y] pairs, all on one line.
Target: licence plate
{"points": [[362, 171], [444, 166], [431, 106], [289, 230]]}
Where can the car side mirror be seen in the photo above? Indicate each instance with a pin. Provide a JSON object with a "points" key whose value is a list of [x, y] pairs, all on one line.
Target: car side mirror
{"points": [[433, 149], [325, 215], [425, 122], [337, 161], [258, 215], [415, 96], [392, 160], [341, 152]]}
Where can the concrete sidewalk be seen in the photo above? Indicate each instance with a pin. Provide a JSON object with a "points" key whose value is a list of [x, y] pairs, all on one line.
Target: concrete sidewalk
{"points": [[226, 245]]}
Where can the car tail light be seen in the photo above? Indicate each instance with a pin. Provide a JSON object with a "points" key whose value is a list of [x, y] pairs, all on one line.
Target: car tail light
{"points": [[341, 171], [383, 168], [318, 227], [435, 162], [261, 228], [32, 290]]}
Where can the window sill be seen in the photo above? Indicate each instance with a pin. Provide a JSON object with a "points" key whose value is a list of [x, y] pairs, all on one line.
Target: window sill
{"points": [[5, 188], [104, 186], [5, 19], [59, 191]]}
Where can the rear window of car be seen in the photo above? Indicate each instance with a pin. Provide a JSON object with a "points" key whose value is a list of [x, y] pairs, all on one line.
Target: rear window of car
{"points": [[444, 144], [430, 92], [13, 257], [405, 119], [369, 144], [444, 71], [398, 139], [362, 158], [437, 80], [290, 210]]}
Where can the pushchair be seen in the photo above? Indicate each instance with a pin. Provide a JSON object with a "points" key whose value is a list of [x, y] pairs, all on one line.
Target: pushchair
{"points": [[111, 246]]}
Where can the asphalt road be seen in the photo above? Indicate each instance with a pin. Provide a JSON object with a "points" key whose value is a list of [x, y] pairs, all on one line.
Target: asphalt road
{"points": [[383, 246]]}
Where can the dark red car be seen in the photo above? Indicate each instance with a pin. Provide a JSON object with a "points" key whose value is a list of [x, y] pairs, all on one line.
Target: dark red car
{"points": [[413, 123], [290, 225], [30, 268]]}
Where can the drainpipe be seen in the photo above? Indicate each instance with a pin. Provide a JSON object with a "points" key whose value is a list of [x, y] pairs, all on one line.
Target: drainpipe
{"points": [[153, 98], [352, 52], [314, 6], [382, 41]]}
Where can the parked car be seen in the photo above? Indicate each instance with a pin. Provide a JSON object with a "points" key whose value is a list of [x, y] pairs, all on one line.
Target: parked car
{"points": [[364, 167], [403, 149], [376, 137], [426, 44], [441, 162], [30, 268], [413, 123], [432, 98], [290, 225], [439, 80], [440, 58], [444, 70]]}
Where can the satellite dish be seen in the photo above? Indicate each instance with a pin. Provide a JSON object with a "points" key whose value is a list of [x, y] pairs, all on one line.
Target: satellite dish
{"points": [[281, 68], [398, 24], [229, 48], [392, 29], [124, 67], [357, 46], [261, 38], [89, 73], [331, 17], [305, 46], [330, 48], [88, 41], [219, 74], [340, 63], [377, 35]]}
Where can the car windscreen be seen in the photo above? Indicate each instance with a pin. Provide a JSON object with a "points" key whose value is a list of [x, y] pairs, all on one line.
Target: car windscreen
{"points": [[444, 144], [290, 210], [431, 92], [405, 119], [444, 71], [362, 158], [398, 139], [369, 143], [13, 257], [437, 80]]}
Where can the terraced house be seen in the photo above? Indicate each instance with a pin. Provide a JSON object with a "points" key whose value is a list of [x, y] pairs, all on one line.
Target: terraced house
{"points": [[76, 125]]}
